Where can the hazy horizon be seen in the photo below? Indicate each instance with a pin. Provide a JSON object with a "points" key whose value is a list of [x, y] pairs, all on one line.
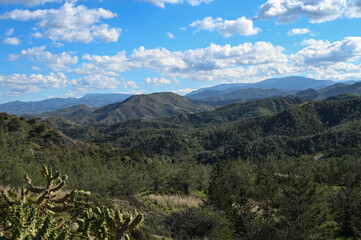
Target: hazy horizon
{"points": [[57, 48]]}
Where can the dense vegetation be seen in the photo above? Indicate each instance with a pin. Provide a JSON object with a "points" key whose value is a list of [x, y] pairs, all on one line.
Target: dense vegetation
{"points": [[267, 169], [242, 130], [149, 106], [42, 213]]}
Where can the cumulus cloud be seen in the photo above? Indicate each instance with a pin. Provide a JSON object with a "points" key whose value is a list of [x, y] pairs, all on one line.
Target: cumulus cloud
{"points": [[54, 61], [130, 84], [298, 31], [319, 52], [28, 2], [183, 91], [93, 82], [116, 63], [160, 81], [69, 23], [354, 9], [286, 11], [26, 15], [227, 28], [246, 62], [338, 71], [23, 83], [161, 3], [12, 41], [159, 59], [204, 64]]}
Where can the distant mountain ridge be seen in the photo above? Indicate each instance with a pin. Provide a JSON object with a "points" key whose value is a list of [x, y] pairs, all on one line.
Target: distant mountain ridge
{"points": [[47, 105], [289, 85], [216, 96], [146, 106], [331, 91]]}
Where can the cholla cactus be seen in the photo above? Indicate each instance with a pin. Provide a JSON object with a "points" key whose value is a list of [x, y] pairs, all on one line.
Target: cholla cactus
{"points": [[54, 184], [121, 223], [26, 218], [106, 223]]}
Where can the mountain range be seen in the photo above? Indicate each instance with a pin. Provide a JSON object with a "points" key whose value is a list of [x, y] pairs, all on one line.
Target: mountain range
{"points": [[330, 91], [135, 107], [53, 104], [256, 129], [113, 108], [284, 85]]}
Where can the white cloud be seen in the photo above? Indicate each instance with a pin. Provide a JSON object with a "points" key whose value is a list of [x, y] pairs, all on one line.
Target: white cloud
{"points": [[26, 15], [170, 35], [69, 23], [160, 81], [22, 83], [227, 28], [116, 63], [93, 82], [337, 71], [53, 61], [130, 84], [161, 3], [205, 64], [9, 32], [159, 59], [319, 52], [354, 9], [183, 28], [286, 11], [298, 31], [12, 41], [183, 91], [28, 2]]}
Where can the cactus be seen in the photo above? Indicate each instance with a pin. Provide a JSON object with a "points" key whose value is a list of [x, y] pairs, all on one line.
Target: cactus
{"points": [[54, 184], [26, 218], [106, 223]]}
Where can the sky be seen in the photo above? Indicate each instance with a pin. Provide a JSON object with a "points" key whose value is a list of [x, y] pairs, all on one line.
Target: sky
{"points": [[60, 48]]}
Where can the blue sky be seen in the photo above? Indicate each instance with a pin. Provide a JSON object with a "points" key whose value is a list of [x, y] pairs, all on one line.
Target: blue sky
{"points": [[59, 48]]}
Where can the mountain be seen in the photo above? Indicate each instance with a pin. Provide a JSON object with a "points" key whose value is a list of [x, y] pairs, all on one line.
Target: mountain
{"points": [[293, 83], [90, 100], [235, 112], [249, 94], [331, 91], [136, 107], [286, 127], [239, 94]]}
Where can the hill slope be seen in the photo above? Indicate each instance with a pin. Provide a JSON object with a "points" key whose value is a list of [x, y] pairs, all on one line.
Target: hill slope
{"points": [[136, 107], [331, 91], [328, 127]]}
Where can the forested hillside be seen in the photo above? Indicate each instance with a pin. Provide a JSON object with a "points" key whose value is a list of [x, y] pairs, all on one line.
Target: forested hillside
{"points": [[245, 130], [136, 107], [281, 168]]}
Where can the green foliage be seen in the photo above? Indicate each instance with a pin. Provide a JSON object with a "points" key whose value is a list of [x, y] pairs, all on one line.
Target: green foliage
{"points": [[198, 223], [301, 177], [346, 203], [40, 216], [301, 211]]}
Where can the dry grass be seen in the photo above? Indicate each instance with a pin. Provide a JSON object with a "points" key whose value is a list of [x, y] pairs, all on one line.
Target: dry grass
{"points": [[175, 202]]}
